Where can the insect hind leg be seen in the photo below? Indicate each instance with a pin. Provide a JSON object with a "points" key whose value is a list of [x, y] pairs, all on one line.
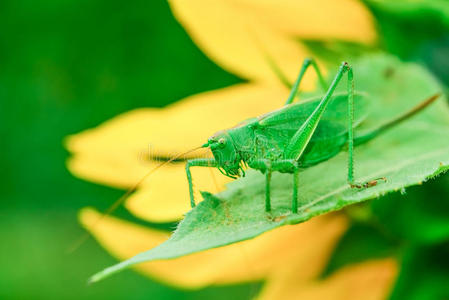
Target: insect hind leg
{"points": [[351, 181], [367, 184], [305, 65]]}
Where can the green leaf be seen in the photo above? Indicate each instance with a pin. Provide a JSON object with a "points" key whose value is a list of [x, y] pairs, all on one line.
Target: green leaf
{"points": [[408, 154]]}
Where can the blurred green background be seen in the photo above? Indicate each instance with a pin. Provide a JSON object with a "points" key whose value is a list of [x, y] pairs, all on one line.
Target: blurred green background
{"points": [[66, 66]]}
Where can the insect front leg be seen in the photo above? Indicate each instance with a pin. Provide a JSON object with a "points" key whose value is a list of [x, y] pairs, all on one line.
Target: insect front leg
{"points": [[307, 63], [199, 162]]}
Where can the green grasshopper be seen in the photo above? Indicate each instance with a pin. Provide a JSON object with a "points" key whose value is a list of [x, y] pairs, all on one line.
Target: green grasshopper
{"points": [[297, 136]]}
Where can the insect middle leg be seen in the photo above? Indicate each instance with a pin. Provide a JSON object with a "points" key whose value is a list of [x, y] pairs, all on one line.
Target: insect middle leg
{"points": [[287, 166], [198, 162], [268, 190]]}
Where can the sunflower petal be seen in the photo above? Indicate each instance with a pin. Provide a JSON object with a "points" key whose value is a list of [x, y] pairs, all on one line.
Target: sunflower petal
{"points": [[166, 197], [163, 197], [346, 20], [239, 35], [118, 152], [370, 280], [256, 259], [179, 127]]}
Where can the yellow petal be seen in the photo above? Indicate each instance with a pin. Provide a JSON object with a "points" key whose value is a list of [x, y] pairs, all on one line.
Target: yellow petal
{"points": [[179, 127], [115, 152], [238, 42], [254, 259], [346, 20], [162, 197], [166, 197], [369, 280], [238, 35]]}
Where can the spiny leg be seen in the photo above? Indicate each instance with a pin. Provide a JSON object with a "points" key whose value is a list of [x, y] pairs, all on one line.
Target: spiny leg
{"points": [[295, 191], [351, 181], [301, 138], [289, 165], [350, 89], [307, 63], [268, 191], [266, 167], [199, 162], [382, 128], [283, 165]]}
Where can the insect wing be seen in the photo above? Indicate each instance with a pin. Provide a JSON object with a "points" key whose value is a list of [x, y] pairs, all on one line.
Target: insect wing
{"points": [[334, 122]]}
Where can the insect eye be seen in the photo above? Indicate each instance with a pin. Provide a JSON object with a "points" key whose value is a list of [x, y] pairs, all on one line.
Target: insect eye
{"points": [[221, 141]]}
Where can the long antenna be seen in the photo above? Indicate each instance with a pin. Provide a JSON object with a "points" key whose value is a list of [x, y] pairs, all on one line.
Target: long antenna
{"points": [[119, 201], [384, 127]]}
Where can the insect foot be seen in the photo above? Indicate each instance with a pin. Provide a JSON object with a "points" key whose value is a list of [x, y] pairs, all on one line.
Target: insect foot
{"points": [[367, 184]]}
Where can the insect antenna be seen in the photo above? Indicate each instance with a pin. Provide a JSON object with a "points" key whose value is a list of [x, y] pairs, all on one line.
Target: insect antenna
{"points": [[382, 128], [120, 200]]}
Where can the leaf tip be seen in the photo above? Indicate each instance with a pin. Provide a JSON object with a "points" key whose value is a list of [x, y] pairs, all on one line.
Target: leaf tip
{"points": [[94, 278], [108, 272]]}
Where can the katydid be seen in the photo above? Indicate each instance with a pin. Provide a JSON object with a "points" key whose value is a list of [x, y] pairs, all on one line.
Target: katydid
{"points": [[292, 138], [297, 136]]}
